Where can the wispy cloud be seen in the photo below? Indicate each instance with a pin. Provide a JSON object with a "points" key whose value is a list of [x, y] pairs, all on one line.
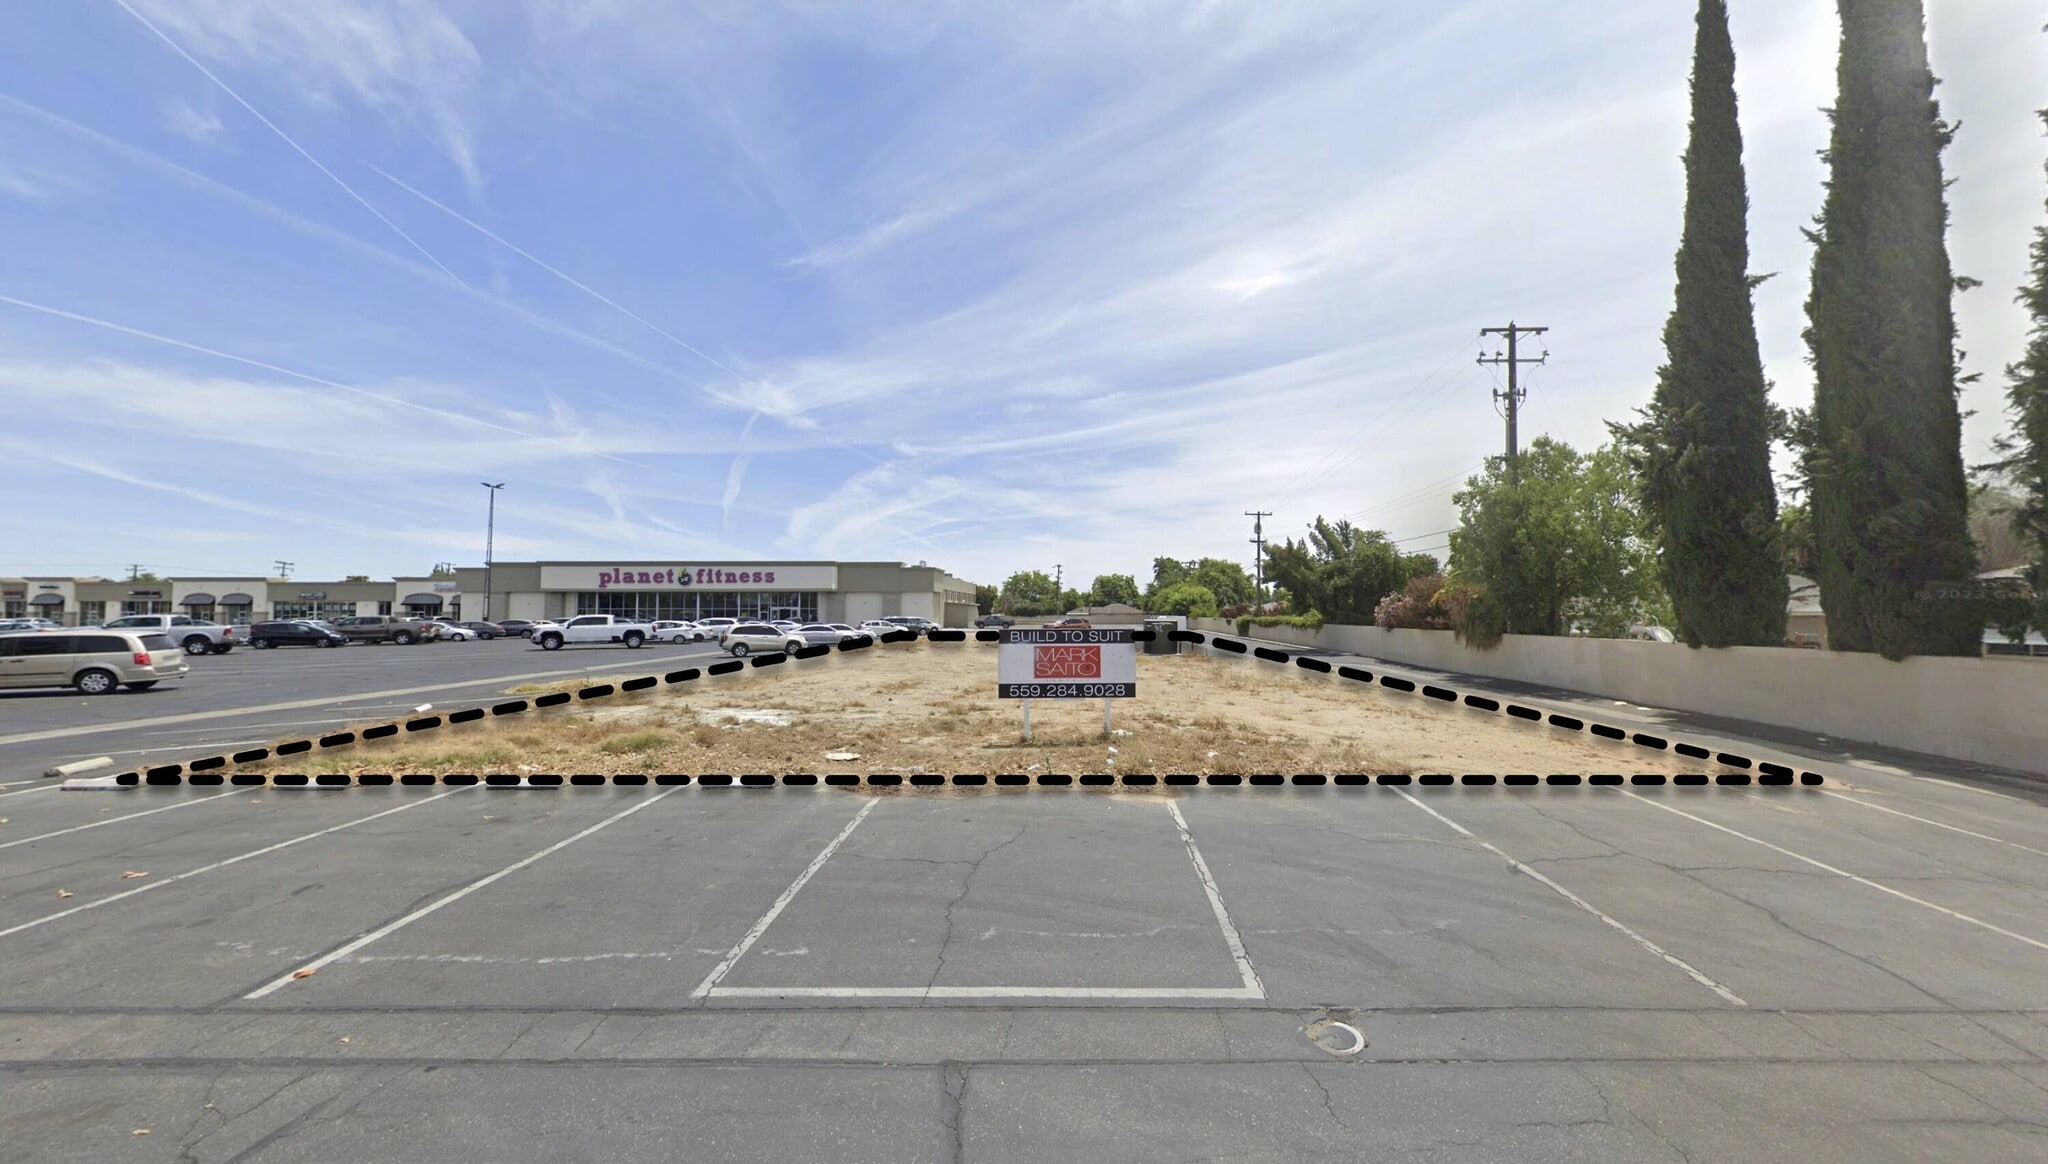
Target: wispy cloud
{"points": [[191, 124]]}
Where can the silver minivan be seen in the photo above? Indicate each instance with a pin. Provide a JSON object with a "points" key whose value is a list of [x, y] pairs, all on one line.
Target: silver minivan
{"points": [[94, 660]]}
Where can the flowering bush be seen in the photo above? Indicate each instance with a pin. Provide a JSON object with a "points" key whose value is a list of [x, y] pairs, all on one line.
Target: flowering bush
{"points": [[1422, 605]]}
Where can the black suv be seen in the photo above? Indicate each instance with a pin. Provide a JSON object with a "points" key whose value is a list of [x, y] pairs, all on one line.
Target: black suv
{"points": [[286, 633]]}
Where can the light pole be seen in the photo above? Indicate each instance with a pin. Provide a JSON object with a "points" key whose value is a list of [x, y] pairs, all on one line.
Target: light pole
{"points": [[490, 539]]}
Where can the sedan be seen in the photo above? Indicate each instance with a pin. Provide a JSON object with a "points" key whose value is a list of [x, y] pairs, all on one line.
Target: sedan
{"points": [[454, 632], [523, 627], [828, 633], [752, 636], [879, 627], [294, 633], [679, 631], [1068, 623], [483, 630]]}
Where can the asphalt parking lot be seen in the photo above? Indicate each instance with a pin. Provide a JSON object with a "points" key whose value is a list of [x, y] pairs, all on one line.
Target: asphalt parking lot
{"points": [[247, 697], [724, 973]]}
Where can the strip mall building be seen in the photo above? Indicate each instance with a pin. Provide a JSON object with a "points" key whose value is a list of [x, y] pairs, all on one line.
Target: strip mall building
{"points": [[809, 591]]}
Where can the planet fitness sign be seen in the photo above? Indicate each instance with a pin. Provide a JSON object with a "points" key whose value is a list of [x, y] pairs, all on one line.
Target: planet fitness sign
{"points": [[681, 577], [1066, 664]]}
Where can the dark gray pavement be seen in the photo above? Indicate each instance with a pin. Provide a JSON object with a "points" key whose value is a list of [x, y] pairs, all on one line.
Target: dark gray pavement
{"points": [[1025, 974], [247, 698]]}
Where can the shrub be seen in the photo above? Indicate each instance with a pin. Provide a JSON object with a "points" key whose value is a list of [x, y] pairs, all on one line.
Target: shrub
{"points": [[1311, 621], [1418, 606], [1478, 618]]}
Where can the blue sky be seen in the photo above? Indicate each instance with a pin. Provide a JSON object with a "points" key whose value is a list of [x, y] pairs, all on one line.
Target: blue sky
{"points": [[990, 286]]}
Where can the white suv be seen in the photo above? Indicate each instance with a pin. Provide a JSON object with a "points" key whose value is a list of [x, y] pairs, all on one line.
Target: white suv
{"points": [[744, 637]]}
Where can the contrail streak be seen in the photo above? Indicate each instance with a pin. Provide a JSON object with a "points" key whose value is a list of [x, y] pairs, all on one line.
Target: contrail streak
{"points": [[287, 139]]}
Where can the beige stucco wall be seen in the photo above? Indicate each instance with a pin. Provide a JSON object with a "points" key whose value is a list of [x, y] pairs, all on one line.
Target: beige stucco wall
{"points": [[1985, 710]]}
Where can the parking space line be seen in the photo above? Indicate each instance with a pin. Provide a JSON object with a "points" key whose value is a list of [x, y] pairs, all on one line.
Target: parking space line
{"points": [[1582, 903], [1104, 992], [1237, 951], [130, 816], [1935, 823], [774, 911], [12, 783], [128, 893], [452, 898], [2035, 942], [29, 791]]}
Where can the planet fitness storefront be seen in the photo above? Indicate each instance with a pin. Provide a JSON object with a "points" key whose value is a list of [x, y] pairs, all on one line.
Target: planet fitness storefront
{"points": [[803, 591]]}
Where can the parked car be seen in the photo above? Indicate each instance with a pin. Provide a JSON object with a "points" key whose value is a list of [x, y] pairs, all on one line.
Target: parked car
{"points": [[747, 637], [784, 624], [294, 632], [95, 660], [911, 622], [523, 627], [594, 628], [15, 624], [197, 636], [994, 622], [879, 627], [454, 632], [676, 630], [828, 633], [384, 628], [483, 630], [716, 625], [1071, 622]]}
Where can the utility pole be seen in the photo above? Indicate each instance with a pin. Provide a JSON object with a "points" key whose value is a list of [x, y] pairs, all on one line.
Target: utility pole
{"points": [[1259, 550], [134, 571], [284, 568], [490, 542], [1514, 394]]}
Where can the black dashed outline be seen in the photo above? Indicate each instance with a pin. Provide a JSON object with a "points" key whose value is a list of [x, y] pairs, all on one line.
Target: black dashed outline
{"points": [[201, 772]]}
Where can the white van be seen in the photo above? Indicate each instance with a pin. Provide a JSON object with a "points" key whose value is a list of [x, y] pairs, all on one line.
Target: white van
{"points": [[92, 659]]}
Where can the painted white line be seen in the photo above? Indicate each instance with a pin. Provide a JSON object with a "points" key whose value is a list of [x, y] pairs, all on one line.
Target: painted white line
{"points": [[1237, 953], [2035, 942], [1106, 992], [768, 919], [130, 816], [450, 899], [30, 791], [12, 783], [334, 701], [122, 896], [1935, 823], [1581, 902], [1970, 788]]}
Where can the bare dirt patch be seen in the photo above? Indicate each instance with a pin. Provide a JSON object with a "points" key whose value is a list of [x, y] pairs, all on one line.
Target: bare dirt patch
{"points": [[928, 708]]}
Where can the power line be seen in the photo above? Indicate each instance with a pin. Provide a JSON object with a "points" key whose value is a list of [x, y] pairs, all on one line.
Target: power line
{"points": [[1299, 485]]}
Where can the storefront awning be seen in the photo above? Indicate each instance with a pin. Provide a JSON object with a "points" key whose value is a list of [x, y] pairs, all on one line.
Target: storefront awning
{"points": [[422, 600], [236, 600], [47, 600], [196, 600]]}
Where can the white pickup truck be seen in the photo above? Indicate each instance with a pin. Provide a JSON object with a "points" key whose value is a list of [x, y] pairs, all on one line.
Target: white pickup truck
{"points": [[594, 628], [197, 636]]}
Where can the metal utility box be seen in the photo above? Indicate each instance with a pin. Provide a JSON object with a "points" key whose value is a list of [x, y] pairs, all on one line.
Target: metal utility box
{"points": [[1160, 644]]}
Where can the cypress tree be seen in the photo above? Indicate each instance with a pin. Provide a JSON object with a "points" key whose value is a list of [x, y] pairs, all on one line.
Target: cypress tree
{"points": [[1884, 464], [1703, 452], [2026, 448]]}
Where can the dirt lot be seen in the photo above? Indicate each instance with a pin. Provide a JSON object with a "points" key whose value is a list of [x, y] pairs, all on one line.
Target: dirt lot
{"points": [[931, 708]]}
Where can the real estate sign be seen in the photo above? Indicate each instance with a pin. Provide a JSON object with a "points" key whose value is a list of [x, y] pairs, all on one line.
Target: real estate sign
{"points": [[1066, 664]]}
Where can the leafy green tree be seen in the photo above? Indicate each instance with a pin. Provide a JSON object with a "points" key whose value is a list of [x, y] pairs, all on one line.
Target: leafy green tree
{"points": [[1420, 565], [1341, 571], [1030, 593], [1109, 588], [1561, 544], [2024, 450], [1795, 540], [1166, 572], [1702, 451], [985, 598], [1227, 580], [1188, 598], [1070, 600], [1884, 466]]}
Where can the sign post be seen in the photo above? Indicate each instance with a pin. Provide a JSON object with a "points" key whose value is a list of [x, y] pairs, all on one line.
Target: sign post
{"points": [[1066, 664]]}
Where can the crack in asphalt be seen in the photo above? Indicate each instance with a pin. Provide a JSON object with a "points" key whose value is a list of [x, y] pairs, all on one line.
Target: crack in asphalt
{"points": [[966, 886]]}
